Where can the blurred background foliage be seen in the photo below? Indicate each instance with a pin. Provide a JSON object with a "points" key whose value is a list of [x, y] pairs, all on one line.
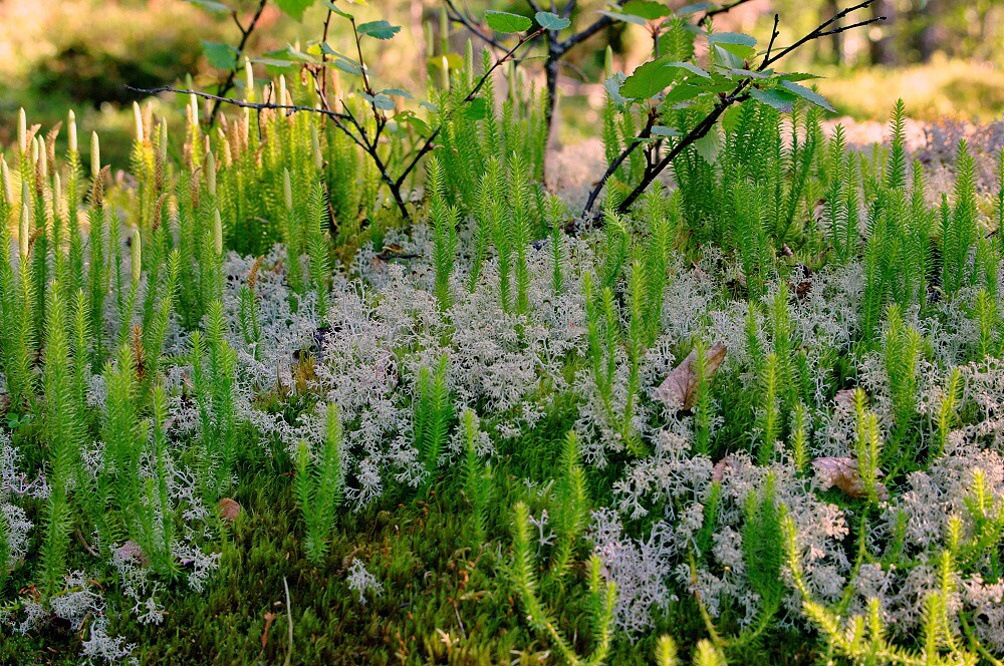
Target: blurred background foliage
{"points": [[943, 57]]}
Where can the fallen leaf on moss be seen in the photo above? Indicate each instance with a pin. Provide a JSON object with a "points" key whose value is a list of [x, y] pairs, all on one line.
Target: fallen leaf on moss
{"points": [[679, 389], [718, 471], [845, 398], [229, 509], [130, 551], [843, 473]]}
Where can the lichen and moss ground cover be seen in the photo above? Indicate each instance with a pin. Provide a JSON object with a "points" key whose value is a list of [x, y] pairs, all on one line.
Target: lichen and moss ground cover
{"points": [[262, 405]]}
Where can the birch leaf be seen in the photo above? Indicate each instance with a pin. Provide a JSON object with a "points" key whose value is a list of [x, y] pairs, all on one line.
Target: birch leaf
{"points": [[844, 474], [679, 389]]}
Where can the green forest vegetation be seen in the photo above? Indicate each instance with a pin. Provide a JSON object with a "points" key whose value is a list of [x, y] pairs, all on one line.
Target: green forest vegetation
{"points": [[373, 336], [941, 56]]}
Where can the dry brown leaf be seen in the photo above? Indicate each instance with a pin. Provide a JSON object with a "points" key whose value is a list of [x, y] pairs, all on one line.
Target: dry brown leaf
{"points": [[801, 281], [229, 509], [845, 398], [679, 389], [718, 471], [819, 211], [130, 551], [843, 473]]}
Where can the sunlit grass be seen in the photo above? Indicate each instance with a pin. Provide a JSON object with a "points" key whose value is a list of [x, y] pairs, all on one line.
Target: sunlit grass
{"points": [[957, 88]]}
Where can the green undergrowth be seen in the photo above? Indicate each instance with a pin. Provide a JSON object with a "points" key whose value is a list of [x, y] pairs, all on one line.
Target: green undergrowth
{"points": [[286, 396], [628, 478], [431, 574], [421, 551]]}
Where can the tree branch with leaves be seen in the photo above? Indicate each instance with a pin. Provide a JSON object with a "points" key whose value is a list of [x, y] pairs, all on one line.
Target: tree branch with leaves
{"points": [[730, 79], [651, 15], [367, 133]]}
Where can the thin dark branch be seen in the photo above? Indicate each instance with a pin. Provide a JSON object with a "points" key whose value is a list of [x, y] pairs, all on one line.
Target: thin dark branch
{"points": [[821, 30], [320, 74], [455, 15], [845, 28], [616, 163], [587, 32], [773, 38], [366, 79], [710, 13], [323, 87], [698, 132], [318, 83], [355, 123], [246, 33], [371, 148], [426, 147], [362, 64], [788, 49], [429, 142], [500, 61], [258, 106]]}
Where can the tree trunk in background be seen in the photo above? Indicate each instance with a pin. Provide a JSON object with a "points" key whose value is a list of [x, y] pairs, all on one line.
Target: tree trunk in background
{"points": [[883, 49], [934, 35], [417, 15], [836, 40]]}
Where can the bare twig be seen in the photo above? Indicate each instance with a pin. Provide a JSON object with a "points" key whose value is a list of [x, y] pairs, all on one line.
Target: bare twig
{"points": [[257, 106], [698, 132], [362, 66], [711, 13], [228, 84], [821, 31], [289, 620], [346, 121], [455, 15], [645, 133], [529, 37], [323, 86], [429, 142], [773, 38]]}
